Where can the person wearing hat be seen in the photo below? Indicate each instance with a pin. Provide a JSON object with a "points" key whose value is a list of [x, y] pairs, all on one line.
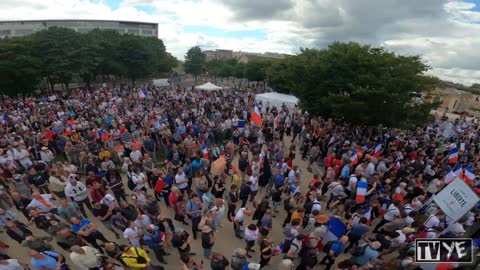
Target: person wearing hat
{"points": [[208, 239], [369, 253]]}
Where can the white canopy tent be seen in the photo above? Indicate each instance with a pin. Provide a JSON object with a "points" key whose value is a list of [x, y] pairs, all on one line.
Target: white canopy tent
{"points": [[277, 99], [208, 87], [161, 82]]}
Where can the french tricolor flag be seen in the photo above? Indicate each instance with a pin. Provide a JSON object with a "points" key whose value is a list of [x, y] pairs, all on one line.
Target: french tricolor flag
{"points": [[378, 149], [397, 165], [256, 116], [458, 171], [362, 186], [354, 158], [142, 93], [204, 150], [449, 177], [453, 156], [469, 175]]}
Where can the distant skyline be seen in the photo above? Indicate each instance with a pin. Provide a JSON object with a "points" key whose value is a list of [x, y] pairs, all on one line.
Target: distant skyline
{"points": [[445, 32]]}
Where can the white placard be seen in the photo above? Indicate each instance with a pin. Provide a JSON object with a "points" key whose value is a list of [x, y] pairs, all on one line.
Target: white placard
{"points": [[456, 199], [462, 146]]}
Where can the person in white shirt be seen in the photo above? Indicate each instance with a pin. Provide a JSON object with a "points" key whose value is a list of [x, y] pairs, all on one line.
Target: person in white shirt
{"points": [[42, 202], [238, 221], [316, 203], [254, 187], [78, 192], [352, 183], [12, 264], [251, 234], [46, 155], [181, 180], [133, 234], [139, 179], [22, 156], [135, 156], [434, 220], [85, 258], [390, 215]]}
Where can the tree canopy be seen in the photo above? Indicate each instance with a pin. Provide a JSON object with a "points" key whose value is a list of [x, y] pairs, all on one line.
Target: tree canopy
{"points": [[195, 61], [61, 55], [356, 83]]}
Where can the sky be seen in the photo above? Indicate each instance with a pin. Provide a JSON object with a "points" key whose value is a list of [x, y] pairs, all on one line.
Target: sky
{"points": [[446, 33]]}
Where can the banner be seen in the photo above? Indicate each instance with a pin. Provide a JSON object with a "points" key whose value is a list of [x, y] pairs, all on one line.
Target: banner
{"points": [[456, 199], [219, 164]]}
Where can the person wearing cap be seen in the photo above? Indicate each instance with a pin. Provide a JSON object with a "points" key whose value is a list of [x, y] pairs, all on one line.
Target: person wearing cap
{"points": [[370, 253]]}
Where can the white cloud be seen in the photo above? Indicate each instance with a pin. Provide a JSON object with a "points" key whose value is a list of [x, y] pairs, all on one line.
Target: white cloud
{"points": [[442, 31]]}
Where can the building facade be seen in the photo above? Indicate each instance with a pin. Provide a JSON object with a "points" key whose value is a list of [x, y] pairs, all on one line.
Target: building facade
{"points": [[223, 55], [23, 28]]}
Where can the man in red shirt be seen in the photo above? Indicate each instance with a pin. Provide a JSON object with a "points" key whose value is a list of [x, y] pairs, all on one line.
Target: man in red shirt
{"points": [[91, 178]]}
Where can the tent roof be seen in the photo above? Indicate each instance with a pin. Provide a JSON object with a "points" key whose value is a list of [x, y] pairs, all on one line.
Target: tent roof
{"points": [[208, 86], [277, 99]]}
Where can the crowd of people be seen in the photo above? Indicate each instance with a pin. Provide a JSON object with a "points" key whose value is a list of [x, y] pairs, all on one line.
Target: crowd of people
{"points": [[101, 162]]}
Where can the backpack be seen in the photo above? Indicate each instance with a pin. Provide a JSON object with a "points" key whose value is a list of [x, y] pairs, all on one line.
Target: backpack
{"points": [[307, 239], [130, 184], [358, 250]]}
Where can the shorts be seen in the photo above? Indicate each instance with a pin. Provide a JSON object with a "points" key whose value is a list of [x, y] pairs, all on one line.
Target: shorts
{"points": [[253, 193]]}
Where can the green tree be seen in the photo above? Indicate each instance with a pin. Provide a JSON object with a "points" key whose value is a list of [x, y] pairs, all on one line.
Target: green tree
{"points": [[135, 58], [19, 67], [61, 51], [357, 83], [109, 50], [256, 70], [194, 62], [213, 67]]}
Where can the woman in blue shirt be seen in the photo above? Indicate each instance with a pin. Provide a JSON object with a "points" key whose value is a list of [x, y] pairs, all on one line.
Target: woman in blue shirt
{"points": [[369, 254]]}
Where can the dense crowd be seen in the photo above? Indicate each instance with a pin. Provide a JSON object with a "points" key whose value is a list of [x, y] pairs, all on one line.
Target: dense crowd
{"points": [[100, 159]]}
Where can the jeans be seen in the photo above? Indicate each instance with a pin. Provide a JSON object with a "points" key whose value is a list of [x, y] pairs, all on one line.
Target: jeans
{"points": [[237, 228], [207, 252], [195, 222]]}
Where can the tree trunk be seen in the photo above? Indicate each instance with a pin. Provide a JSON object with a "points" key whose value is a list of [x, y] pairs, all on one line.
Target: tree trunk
{"points": [[195, 79], [50, 82]]}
